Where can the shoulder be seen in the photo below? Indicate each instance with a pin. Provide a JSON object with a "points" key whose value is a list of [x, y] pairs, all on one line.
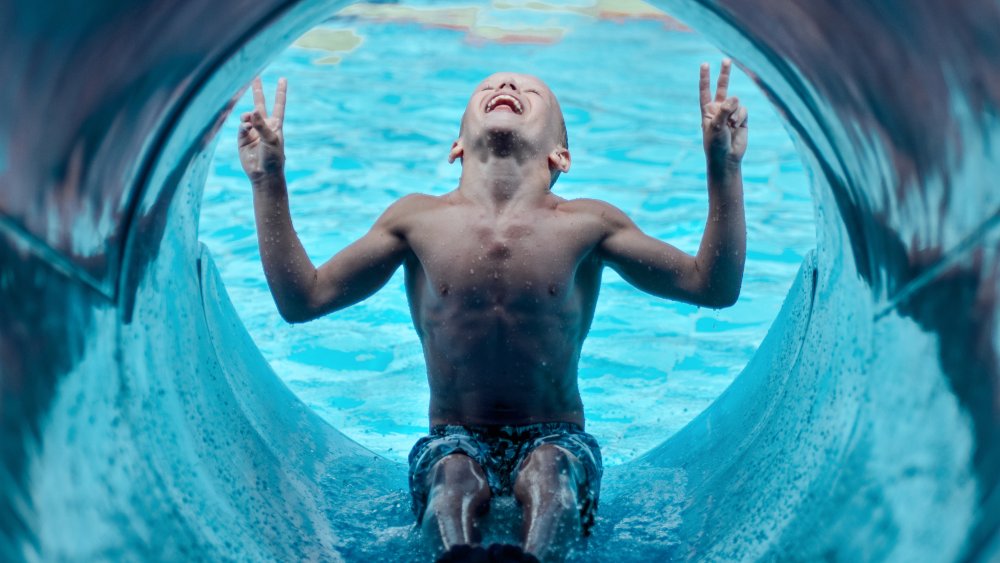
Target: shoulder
{"points": [[408, 208], [415, 203], [602, 212]]}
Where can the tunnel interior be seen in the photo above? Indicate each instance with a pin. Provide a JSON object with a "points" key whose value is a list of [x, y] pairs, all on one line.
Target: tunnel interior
{"points": [[139, 421]]}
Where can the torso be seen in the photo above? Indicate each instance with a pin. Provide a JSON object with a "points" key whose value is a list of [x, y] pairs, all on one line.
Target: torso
{"points": [[502, 304]]}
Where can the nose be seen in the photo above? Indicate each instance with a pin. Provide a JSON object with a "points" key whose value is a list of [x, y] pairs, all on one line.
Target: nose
{"points": [[509, 83]]}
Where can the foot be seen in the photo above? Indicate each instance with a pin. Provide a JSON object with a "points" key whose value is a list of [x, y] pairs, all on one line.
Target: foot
{"points": [[506, 553], [465, 554], [497, 553]]}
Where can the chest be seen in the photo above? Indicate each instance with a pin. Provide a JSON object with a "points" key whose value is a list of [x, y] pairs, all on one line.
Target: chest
{"points": [[534, 255]]}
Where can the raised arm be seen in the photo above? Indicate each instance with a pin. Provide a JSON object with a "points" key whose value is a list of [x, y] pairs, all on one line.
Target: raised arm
{"points": [[713, 277], [301, 291]]}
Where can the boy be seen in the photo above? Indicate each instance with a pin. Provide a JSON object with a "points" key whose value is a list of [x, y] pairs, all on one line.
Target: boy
{"points": [[502, 277]]}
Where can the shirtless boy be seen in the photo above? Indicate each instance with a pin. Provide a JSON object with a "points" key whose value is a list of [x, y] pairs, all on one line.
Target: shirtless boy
{"points": [[502, 277]]}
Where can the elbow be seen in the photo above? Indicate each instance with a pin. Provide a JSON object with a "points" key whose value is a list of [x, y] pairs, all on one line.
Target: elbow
{"points": [[297, 304], [293, 317], [294, 313], [729, 301], [721, 299], [305, 308]]}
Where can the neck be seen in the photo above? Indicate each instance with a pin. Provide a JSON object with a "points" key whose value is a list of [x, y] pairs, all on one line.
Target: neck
{"points": [[499, 172]]}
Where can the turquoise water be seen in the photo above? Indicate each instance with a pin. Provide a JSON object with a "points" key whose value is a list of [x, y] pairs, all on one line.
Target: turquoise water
{"points": [[377, 125]]}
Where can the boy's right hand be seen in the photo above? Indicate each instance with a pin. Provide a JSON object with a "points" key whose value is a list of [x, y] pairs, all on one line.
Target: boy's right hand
{"points": [[723, 119], [261, 141]]}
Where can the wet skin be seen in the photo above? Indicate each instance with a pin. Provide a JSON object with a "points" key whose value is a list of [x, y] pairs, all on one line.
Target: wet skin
{"points": [[502, 277], [502, 306]]}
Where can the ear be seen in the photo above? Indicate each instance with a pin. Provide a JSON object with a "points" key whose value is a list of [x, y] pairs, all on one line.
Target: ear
{"points": [[457, 151], [559, 159]]}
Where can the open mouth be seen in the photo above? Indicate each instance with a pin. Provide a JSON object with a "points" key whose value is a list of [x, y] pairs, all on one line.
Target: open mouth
{"points": [[505, 102]]}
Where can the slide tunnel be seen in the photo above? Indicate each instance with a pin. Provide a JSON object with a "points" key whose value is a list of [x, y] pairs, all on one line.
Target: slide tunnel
{"points": [[138, 421]]}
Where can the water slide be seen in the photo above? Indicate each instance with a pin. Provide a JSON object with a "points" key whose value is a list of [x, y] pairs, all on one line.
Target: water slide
{"points": [[139, 422]]}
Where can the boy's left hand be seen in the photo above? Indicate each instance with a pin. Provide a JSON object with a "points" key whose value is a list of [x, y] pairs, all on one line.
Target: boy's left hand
{"points": [[723, 120]]}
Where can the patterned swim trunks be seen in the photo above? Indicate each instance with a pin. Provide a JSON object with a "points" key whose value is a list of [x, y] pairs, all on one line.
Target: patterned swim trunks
{"points": [[500, 451]]}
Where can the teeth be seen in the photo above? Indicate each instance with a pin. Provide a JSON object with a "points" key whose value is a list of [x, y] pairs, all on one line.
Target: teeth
{"points": [[511, 99]]}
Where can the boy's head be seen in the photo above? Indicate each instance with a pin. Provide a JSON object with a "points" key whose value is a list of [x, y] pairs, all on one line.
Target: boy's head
{"points": [[521, 107]]}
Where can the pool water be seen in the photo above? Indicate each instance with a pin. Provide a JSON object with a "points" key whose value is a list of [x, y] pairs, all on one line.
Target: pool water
{"points": [[375, 97]]}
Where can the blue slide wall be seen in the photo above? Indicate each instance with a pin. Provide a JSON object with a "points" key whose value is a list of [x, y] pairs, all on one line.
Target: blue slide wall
{"points": [[139, 422]]}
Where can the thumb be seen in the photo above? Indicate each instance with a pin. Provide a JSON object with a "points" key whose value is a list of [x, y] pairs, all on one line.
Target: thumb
{"points": [[726, 111], [266, 133]]}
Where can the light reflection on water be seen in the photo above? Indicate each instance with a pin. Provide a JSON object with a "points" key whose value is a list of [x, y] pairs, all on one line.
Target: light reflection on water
{"points": [[378, 125]]}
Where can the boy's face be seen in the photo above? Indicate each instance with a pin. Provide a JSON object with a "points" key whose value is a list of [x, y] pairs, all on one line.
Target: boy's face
{"points": [[518, 104]]}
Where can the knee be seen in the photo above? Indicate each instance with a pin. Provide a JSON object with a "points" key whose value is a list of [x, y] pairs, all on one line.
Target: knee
{"points": [[458, 474], [550, 469], [552, 460]]}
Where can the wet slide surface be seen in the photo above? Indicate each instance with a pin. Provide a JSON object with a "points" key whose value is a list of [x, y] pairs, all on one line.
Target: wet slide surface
{"points": [[138, 420]]}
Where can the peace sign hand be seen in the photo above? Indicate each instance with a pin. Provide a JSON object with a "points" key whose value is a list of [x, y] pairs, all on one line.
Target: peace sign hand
{"points": [[723, 120], [261, 141]]}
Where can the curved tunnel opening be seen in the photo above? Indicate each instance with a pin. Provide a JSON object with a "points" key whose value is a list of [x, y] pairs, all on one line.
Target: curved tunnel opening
{"points": [[630, 515], [820, 450]]}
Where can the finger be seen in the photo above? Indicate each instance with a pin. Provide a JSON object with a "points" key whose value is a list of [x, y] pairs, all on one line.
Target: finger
{"points": [[245, 122], [246, 134], [741, 131], [722, 87], [740, 117], [279, 102], [266, 133], [737, 117], [703, 86], [726, 110], [258, 97]]}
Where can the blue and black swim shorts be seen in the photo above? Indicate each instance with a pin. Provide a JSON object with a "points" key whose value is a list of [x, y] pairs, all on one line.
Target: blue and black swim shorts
{"points": [[500, 451]]}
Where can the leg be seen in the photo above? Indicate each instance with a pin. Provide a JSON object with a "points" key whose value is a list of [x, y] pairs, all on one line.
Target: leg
{"points": [[547, 489], [458, 495]]}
